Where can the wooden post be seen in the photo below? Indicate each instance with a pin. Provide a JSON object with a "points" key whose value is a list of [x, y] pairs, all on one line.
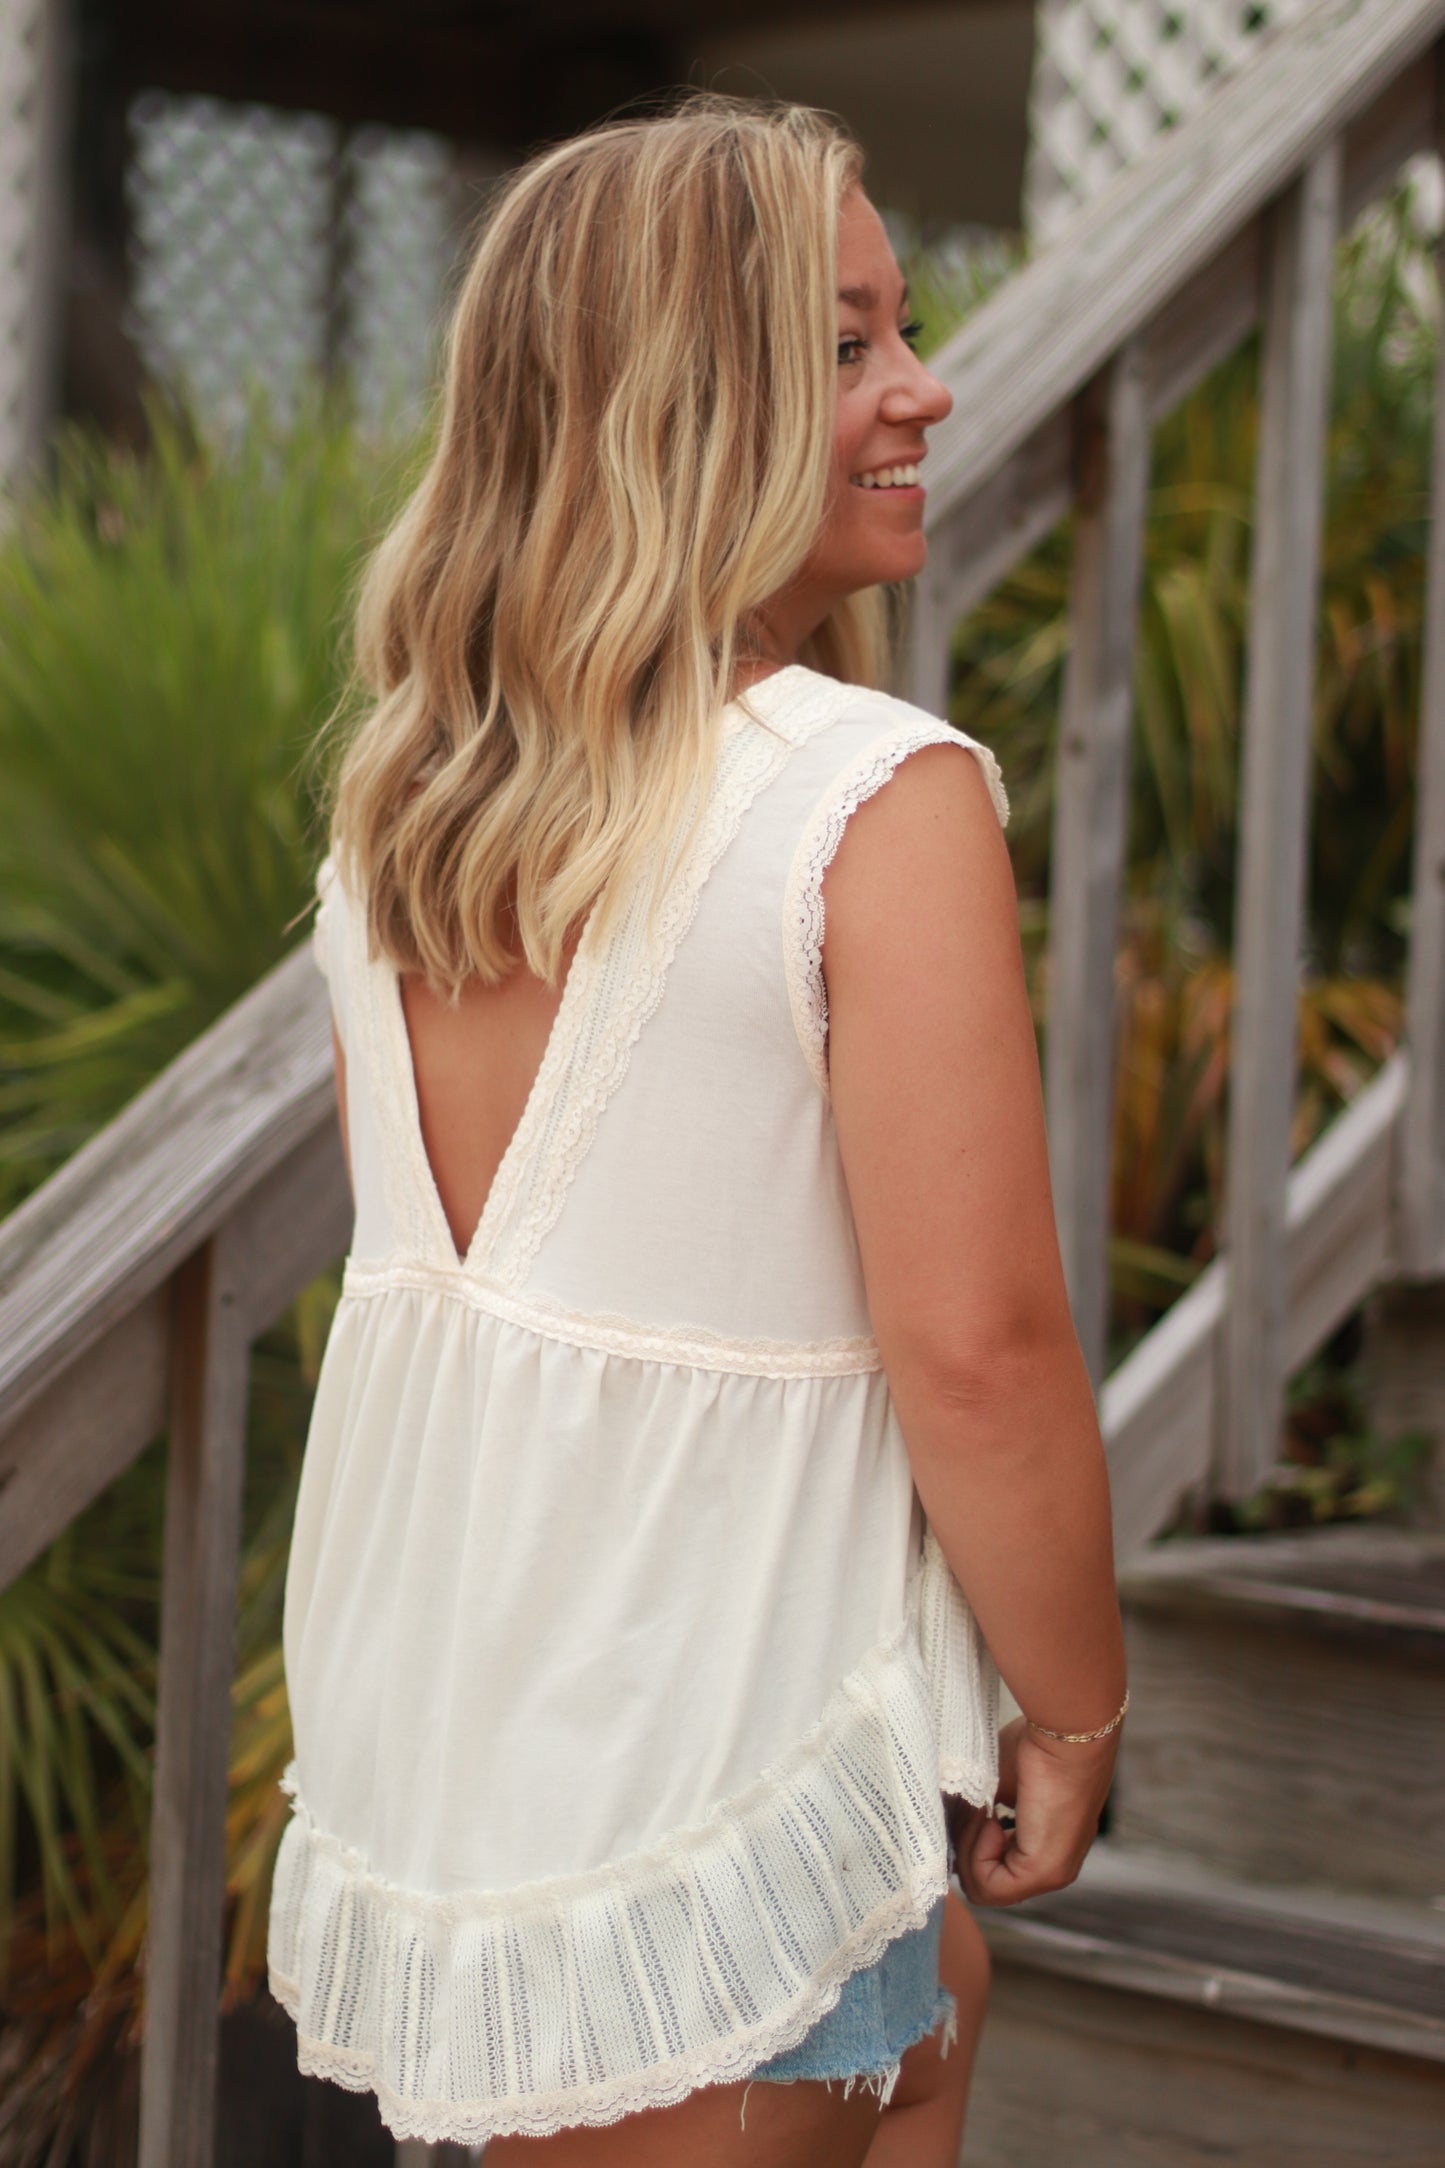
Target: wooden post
{"points": [[927, 638], [1090, 818], [209, 1365], [1419, 1231], [1274, 814]]}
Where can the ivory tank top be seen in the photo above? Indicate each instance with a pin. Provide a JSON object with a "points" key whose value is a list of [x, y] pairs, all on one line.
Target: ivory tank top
{"points": [[625, 1674]]}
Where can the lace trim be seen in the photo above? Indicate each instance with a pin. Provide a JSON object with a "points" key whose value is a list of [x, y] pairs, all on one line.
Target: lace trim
{"points": [[795, 702], [585, 1998], [803, 895], [472, 2122], [579, 998], [623, 989], [963, 1679], [608, 998], [693, 1346]]}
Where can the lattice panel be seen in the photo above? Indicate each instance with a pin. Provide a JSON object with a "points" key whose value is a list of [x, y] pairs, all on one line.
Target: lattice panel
{"points": [[271, 245], [401, 242], [26, 219], [1110, 75]]}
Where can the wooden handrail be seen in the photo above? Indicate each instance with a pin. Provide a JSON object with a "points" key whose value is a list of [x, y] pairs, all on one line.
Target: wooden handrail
{"points": [[1226, 223], [131, 1287], [133, 1282], [143, 1194], [237, 1130], [1166, 220]]}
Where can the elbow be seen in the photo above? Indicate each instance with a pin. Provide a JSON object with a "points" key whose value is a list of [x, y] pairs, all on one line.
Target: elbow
{"points": [[988, 1367]]}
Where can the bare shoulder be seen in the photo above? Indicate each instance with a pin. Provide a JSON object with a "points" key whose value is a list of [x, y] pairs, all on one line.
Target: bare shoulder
{"points": [[920, 861], [933, 1072]]}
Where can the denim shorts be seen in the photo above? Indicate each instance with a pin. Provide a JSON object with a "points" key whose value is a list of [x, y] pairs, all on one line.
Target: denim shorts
{"points": [[887, 2007]]}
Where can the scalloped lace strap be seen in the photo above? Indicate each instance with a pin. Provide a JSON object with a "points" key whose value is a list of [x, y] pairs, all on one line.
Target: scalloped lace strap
{"points": [[818, 846]]}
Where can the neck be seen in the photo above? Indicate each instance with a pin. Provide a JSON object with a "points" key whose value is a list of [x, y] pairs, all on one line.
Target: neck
{"points": [[777, 631]]}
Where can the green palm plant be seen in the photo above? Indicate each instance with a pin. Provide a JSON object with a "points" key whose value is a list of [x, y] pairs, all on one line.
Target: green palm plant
{"points": [[72, 1993], [171, 641], [1173, 977]]}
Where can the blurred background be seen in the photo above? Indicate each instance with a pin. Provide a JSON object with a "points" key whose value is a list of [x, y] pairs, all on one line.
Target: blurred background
{"points": [[220, 193]]}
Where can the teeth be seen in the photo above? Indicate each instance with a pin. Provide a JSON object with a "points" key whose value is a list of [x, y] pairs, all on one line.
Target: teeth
{"points": [[888, 478]]}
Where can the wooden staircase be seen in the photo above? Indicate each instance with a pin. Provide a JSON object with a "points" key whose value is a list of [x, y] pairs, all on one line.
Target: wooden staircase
{"points": [[1252, 1966]]}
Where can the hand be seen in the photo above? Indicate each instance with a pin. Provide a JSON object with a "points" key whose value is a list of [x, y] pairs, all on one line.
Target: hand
{"points": [[1057, 1792]]}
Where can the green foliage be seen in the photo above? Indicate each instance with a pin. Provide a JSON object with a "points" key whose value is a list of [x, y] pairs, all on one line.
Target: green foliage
{"points": [[1337, 1465], [949, 278], [170, 640], [78, 1639], [75, 1673], [1174, 974], [1190, 662]]}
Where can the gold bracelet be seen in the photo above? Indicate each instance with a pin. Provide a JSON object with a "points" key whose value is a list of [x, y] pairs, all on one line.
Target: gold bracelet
{"points": [[1081, 1738]]}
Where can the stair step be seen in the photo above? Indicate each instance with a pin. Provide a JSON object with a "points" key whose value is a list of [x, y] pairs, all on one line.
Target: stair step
{"points": [[1353, 1582], [1287, 1696], [1277, 1957], [1153, 2017]]}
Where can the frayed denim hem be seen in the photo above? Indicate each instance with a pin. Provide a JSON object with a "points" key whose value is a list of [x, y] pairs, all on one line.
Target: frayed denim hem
{"points": [[882, 2081]]}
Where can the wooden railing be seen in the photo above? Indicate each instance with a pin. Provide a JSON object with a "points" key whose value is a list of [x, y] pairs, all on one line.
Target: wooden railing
{"points": [[131, 1287], [1057, 382], [133, 1283]]}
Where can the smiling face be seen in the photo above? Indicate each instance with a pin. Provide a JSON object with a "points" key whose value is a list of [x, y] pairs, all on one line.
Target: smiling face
{"points": [[872, 528]]}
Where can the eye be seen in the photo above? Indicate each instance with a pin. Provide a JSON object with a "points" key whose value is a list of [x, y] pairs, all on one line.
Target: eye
{"points": [[851, 348], [911, 333]]}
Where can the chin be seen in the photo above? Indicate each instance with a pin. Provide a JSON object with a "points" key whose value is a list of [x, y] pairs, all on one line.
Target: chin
{"points": [[901, 563]]}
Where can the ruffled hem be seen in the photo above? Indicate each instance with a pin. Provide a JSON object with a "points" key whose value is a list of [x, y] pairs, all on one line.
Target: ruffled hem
{"points": [[587, 1998], [472, 2122]]}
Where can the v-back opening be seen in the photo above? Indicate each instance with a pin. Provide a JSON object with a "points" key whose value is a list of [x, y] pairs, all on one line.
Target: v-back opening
{"points": [[466, 1259], [496, 1246]]}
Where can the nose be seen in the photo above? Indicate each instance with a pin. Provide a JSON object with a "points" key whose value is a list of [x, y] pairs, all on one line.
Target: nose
{"points": [[917, 395]]}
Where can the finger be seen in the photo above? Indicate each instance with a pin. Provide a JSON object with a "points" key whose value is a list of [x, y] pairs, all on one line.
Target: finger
{"points": [[987, 1842], [1023, 1870]]}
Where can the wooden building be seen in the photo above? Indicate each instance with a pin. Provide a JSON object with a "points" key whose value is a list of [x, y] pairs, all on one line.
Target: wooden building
{"points": [[937, 92]]}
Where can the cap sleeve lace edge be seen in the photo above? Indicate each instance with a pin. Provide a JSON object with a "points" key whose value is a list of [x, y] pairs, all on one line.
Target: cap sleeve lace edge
{"points": [[803, 915]]}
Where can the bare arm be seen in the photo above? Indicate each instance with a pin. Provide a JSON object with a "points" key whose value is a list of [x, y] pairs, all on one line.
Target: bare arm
{"points": [[939, 1112]]}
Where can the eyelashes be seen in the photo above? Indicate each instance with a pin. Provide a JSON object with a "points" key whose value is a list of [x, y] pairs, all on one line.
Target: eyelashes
{"points": [[853, 347]]}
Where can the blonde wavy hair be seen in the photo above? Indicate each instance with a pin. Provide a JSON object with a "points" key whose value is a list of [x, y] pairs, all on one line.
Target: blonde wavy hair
{"points": [[632, 455]]}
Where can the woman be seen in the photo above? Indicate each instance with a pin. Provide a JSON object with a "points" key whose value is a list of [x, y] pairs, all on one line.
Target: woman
{"points": [[703, 1338]]}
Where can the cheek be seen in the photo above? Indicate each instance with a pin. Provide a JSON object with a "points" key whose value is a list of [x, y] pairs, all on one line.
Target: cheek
{"points": [[850, 433], [843, 498]]}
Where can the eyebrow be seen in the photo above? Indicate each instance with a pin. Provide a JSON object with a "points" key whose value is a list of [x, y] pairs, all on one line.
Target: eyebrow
{"points": [[866, 297]]}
